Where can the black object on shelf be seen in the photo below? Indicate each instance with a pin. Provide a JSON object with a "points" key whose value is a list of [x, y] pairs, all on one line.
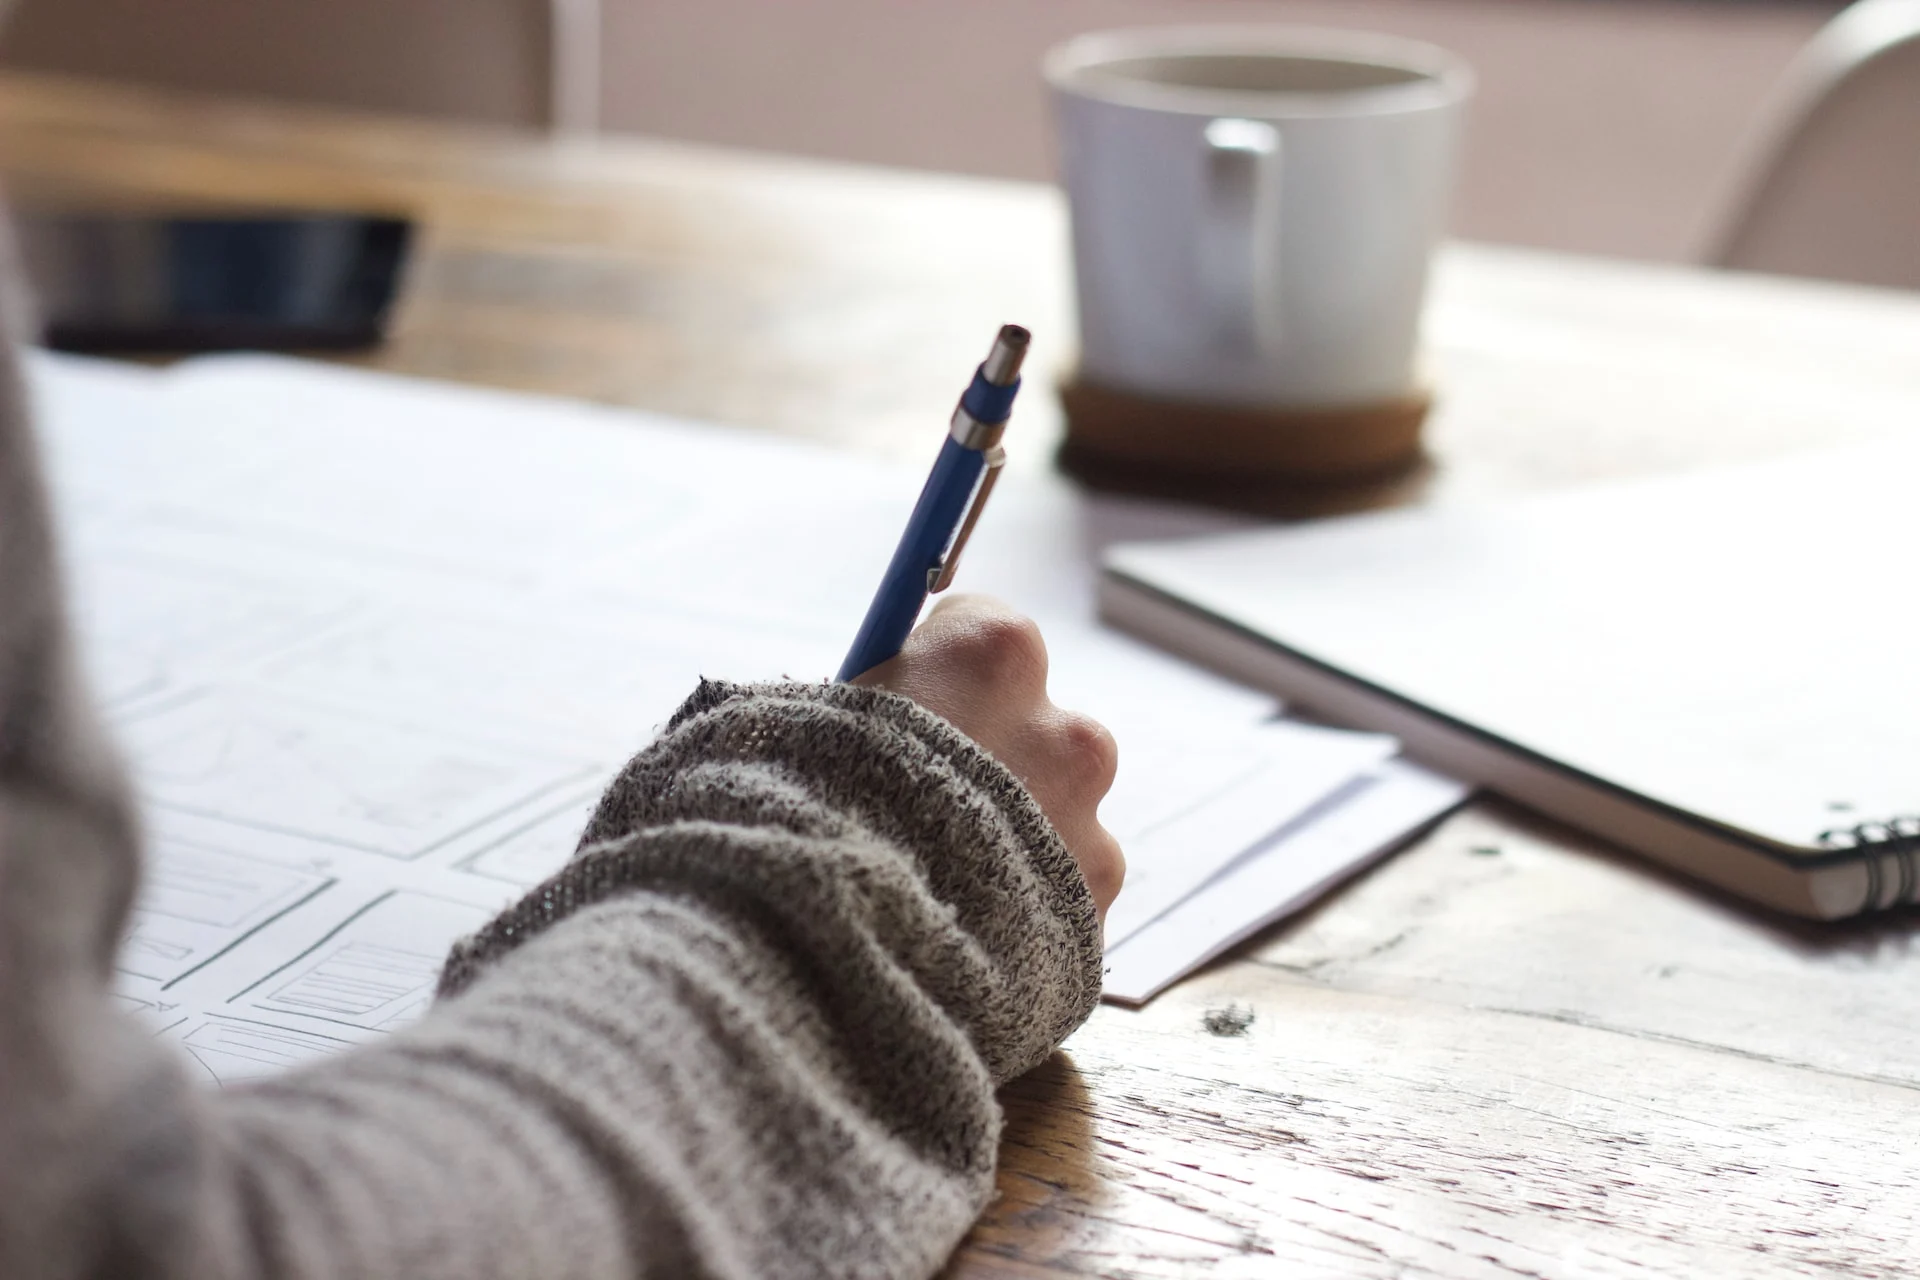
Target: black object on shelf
{"points": [[131, 283]]}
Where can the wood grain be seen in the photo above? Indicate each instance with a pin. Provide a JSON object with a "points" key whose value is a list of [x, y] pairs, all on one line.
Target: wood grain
{"points": [[1507, 1052], [1539, 1061]]}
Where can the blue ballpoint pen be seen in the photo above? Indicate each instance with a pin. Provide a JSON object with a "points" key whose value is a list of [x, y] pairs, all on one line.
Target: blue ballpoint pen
{"points": [[950, 503]]}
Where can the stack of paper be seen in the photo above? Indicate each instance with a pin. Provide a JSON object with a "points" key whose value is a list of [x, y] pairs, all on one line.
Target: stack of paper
{"points": [[1343, 833], [375, 645]]}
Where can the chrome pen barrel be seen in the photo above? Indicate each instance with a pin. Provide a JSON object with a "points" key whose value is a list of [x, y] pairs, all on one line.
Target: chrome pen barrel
{"points": [[1002, 365], [981, 416]]}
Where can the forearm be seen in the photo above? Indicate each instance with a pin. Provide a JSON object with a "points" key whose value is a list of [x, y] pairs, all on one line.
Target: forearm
{"points": [[753, 1030], [706, 1120]]}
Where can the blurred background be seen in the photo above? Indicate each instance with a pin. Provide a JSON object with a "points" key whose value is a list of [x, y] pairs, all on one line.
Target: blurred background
{"points": [[1604, 126]]}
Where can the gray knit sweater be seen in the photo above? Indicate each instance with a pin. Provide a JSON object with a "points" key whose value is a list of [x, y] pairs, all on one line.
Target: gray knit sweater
{"points": [[752, 1031]]}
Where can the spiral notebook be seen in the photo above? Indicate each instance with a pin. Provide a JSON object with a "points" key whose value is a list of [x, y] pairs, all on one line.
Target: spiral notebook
{"points": [[1719, 670]]}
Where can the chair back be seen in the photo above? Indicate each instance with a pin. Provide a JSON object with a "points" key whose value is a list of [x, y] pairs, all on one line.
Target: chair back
{"points": [[1833, 186]]}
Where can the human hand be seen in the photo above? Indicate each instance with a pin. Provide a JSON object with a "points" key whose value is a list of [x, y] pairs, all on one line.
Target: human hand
{"points": [[983, 667]]}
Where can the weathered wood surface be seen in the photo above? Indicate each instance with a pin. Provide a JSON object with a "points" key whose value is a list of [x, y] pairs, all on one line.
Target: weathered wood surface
{"points": [[1544, 1061], [1505, 1053]]}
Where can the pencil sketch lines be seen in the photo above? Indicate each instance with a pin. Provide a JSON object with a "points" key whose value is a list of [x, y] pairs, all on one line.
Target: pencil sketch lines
{"points": [[375, 970], [197, 904], [355, 982], [536, 849], [233, 1049], [245, 756]]}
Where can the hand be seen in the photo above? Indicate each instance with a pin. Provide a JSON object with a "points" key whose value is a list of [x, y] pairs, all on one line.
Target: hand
{"points": [[983, 668]]}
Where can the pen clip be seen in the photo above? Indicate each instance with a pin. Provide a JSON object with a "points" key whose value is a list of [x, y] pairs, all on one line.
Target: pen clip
{"points": [[940, 577]]}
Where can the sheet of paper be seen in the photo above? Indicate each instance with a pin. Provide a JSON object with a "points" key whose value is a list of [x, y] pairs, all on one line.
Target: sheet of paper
{"points": [[1336, 839], [374, 646], [1183, 809]]}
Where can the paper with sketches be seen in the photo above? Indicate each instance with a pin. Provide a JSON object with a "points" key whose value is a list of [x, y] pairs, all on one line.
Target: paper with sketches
{"points": [[374, 646]]}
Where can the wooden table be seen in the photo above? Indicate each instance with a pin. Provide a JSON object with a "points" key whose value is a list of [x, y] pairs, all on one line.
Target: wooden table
{"points": [[1508, 1052]]}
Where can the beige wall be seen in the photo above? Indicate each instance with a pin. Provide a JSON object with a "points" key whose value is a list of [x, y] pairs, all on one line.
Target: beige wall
{"points": [[474, 59], [1605, 126]]}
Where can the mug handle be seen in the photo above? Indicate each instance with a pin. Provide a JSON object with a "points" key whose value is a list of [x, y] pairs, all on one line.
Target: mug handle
{"points": [[1238, 260]]}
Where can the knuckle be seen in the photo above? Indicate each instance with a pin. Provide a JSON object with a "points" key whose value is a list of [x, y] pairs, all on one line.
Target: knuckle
{"points": [[1005, 646], [1092, 754], [1105, 868]]}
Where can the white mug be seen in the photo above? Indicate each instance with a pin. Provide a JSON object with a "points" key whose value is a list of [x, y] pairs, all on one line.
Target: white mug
{"points": [[1254, 209]]}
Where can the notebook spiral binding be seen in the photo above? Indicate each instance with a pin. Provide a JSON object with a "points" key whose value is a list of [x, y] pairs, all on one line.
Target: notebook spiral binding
{"points": [[1895, 841]]}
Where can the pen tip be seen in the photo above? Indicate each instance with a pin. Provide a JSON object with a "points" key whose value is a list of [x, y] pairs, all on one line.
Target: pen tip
{"points": [[1002, 365]]}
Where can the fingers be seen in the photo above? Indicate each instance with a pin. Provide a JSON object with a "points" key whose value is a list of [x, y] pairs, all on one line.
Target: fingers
{"points": [[966, 643], [988, 642], [983, 667], [976, 662], [1070, 762], [1102, 863], [1071, 759], [1092, 757]]}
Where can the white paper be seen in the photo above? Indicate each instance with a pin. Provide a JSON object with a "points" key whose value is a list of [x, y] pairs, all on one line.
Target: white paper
{"points": [[374, 647], [1300, 863], [1184, 810]]}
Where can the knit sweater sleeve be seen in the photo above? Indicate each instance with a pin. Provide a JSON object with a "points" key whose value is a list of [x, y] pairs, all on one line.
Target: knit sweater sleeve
{"points": [[752, 1030]]}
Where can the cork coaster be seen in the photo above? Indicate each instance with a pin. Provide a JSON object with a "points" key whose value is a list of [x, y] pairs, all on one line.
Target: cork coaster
{"points": [[1233, 453]]}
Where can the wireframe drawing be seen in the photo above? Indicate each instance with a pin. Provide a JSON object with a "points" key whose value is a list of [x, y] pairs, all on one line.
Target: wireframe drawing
{"points": [[146, 626], [538, 849], [246, 756], [233, 1049], [375, 971], [195, 903]]}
